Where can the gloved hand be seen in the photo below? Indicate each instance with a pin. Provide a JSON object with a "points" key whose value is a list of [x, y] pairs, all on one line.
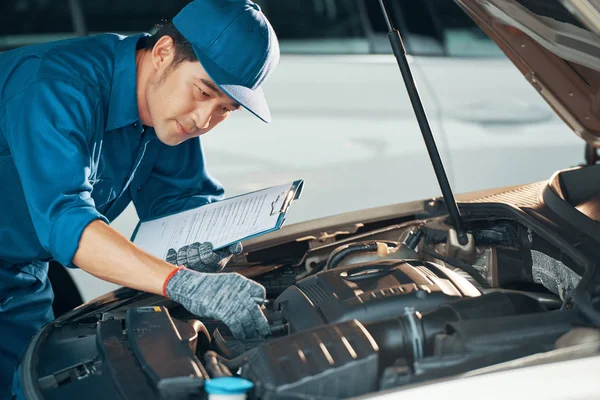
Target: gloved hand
{"points": [[228, 297], [553, 275], [201, 257]]}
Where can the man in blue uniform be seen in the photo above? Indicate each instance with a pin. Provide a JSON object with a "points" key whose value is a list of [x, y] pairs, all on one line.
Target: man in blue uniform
{"points": [[89, 125]]}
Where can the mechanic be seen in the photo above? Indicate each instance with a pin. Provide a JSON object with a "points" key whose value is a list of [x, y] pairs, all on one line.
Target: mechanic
{"points": [[88, 125]]}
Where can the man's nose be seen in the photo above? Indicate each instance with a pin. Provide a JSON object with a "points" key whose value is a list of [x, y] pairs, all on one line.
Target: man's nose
{"points": [[202, 117]]}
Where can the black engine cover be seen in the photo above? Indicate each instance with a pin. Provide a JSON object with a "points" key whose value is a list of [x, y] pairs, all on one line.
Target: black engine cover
{"points": [[332, 362], [369, 292]]}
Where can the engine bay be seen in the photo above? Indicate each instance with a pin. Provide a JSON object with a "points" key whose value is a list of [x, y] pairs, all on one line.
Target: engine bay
{"points": [[379, 314], [395, 303]]}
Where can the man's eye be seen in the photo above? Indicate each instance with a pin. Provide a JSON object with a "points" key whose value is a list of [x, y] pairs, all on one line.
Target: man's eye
{"points": [[202, 92]]}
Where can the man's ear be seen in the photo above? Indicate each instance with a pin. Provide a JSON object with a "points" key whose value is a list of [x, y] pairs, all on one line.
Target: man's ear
{"points": [[163, 53]]}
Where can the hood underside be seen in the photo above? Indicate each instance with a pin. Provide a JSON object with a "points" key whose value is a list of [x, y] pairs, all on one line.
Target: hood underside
{"points": [[556, 46]]}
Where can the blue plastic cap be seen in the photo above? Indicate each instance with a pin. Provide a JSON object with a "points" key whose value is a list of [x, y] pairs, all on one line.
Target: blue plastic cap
{"points": [[228, 385]]}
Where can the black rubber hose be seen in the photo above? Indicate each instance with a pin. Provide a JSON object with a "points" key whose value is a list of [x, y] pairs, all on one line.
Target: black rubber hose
{"points": [[227, 363], [352, 248], [214, 366], [469, 269], [234, 362], [339, 255]]}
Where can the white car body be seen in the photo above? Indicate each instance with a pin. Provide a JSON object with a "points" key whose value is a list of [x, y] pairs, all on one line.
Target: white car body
{"points": [[564, 380]]}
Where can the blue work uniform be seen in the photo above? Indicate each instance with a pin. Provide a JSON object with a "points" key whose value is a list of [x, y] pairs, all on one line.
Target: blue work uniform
{"points": [[73, 150]]}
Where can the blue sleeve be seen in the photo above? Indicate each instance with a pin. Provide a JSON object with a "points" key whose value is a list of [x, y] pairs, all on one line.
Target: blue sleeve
{"points": [[48, 127], [179, 181]]}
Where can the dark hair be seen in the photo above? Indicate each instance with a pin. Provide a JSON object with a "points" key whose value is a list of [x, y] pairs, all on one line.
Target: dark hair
{"points": [[183, 48]]}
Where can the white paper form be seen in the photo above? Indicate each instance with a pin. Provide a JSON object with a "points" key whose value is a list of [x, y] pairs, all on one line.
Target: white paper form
{"points": [[221, 223]]}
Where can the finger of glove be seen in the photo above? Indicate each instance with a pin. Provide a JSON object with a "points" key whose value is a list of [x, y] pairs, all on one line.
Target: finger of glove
{"points": [[171, 256], [188, 256], [235, 248], [193, 255], [246, 319], [236, 328], [210, 257], [229, 251], [261, 323], [182, 256], [256, 289]]}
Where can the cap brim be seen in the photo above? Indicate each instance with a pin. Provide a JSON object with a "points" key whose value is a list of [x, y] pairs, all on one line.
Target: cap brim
{"points": [[252, 100]]}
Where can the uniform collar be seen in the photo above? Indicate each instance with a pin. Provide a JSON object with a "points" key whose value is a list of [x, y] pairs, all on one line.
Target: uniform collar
{"points": [[123, 106]]}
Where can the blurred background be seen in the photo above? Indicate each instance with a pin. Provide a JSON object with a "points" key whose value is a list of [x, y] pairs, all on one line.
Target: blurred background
{"points": [[342, 120]]}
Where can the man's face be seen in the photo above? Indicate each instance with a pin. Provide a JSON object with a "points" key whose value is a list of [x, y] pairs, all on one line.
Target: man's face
{"points": [[182, 101]]}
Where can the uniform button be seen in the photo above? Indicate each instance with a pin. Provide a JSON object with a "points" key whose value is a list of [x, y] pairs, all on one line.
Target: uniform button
{"points": [[135, 124]]}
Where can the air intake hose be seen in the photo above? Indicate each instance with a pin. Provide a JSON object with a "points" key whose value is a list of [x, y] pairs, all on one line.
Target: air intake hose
{"points": [[412, 336]]}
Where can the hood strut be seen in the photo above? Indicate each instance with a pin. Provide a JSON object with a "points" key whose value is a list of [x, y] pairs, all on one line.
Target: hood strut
{"points": [[434, 155]]}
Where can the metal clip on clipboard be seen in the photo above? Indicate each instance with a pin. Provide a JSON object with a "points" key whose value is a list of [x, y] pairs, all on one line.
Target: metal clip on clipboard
{"points": [[289, 196], [292, 194]]}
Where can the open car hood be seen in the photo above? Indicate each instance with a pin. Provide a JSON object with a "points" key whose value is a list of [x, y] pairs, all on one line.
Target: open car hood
{"points": [[556, 46]]}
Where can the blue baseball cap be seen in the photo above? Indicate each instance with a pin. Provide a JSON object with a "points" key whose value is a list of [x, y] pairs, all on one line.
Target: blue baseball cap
{"points": [[236, 45]]}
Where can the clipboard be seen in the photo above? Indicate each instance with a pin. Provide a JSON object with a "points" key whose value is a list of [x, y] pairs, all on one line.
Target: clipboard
{"points": [[293, 194], [278, 207]]}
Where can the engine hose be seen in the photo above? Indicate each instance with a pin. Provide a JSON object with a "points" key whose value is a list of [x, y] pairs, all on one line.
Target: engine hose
{"points": [[469, 269], [339, 254], [214, 366], [235, 362]]}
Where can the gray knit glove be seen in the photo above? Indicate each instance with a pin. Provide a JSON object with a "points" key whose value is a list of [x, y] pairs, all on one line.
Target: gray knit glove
{"points": [[201, 257], [227, 297], [553, 275]]}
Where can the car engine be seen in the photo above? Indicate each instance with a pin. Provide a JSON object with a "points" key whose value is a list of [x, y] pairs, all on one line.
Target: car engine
{"points": [[355, 328], [385, 306], [378, 313]]}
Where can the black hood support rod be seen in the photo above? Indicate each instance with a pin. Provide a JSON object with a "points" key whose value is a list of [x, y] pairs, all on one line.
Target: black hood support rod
{"points": [[434, 155]]}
